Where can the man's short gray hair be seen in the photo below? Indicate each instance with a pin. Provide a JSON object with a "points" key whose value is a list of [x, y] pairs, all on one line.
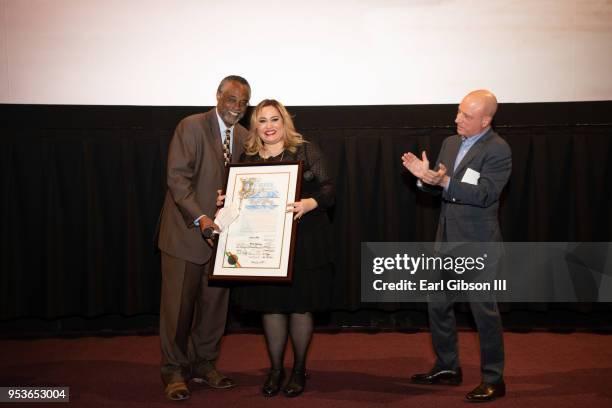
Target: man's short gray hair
{"points": [[234, 78]]}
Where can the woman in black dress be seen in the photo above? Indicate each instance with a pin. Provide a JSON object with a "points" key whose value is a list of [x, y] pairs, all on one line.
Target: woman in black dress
{"points": [[287, 309]]}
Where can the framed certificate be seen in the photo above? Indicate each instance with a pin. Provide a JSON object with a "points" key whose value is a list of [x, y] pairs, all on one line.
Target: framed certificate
{"points": [[259, 243]]}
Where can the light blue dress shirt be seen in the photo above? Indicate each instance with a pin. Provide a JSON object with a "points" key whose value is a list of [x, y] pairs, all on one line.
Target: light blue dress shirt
{"points": [[466, 145]]}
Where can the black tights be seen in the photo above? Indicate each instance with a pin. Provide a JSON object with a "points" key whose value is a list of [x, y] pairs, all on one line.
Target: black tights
{"points": [[276, 327]]}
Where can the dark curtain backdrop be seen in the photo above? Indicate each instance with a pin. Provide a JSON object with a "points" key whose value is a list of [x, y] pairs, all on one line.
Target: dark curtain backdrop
{"points": [[82, 187]]}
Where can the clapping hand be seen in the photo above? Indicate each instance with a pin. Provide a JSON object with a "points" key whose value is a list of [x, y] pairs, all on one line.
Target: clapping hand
{"points": [[420, 169], [436, 178]]}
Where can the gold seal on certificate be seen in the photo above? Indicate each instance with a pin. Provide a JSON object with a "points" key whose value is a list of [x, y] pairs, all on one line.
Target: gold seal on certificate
{"points": [[258, 236]]}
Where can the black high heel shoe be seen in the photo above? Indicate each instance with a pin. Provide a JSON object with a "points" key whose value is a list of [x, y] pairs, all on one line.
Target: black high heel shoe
{"points": [[296, 384], [273, 383]]}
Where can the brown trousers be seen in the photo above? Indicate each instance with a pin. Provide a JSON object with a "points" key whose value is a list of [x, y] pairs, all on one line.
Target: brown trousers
{"points": [[191, 320]]}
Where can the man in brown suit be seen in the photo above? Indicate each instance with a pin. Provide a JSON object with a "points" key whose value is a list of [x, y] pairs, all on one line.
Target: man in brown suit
{"points": [[193, 314]]}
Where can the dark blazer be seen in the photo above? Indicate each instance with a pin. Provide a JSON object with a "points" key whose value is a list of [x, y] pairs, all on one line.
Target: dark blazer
{"points": [[469, 212], [195, 172]]}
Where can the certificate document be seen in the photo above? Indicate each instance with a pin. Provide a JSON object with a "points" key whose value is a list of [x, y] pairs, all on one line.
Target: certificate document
{"points": [[259, 242]]}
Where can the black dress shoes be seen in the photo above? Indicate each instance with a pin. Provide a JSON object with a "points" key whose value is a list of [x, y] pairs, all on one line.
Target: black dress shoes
{"points": [[486, 392], [439, 376], [273, 383], [296, 384]]}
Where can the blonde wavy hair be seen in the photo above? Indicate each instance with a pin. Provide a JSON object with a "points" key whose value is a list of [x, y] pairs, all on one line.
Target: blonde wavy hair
{"points": [[293, 139]]}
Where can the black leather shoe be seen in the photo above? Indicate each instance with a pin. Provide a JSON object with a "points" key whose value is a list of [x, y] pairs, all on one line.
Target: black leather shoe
{"points": [[486, 392], [273, 383], [296, 384], [439, 376]]}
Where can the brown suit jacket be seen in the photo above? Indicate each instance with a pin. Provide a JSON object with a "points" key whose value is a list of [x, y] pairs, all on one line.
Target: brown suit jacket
{"points": [[194, 174]]}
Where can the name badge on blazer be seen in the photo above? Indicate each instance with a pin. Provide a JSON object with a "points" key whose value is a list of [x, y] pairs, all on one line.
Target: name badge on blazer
{"points": [[471, 177]]}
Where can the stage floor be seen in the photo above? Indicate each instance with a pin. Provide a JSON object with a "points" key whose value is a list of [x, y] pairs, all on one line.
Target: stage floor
{"points": [[346, 370]]}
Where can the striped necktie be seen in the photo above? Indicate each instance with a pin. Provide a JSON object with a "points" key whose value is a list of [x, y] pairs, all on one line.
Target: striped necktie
{"points": [[227, 153]]}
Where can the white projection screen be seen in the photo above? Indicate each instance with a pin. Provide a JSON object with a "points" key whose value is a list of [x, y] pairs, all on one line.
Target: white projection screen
{"points": [[357, 52]]}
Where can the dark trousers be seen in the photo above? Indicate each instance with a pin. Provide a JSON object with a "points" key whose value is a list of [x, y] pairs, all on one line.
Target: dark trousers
{"points": [[444, 337], [191, 320]]}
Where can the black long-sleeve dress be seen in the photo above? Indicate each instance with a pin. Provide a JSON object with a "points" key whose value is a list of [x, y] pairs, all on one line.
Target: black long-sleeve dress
{"points": [[310, 289]]}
